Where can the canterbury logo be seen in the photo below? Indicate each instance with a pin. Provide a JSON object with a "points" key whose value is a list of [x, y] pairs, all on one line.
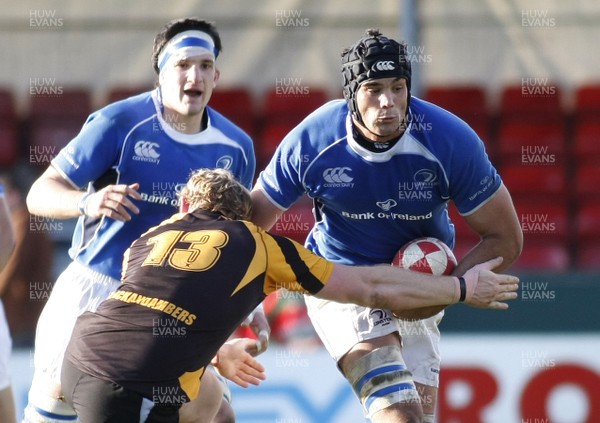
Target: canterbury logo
{"points": [[337, 175], [146, 149], [384, 65]]}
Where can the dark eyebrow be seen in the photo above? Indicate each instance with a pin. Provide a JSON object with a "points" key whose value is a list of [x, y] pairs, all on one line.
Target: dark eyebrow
{"points": [[187, 59], [375, 82]]}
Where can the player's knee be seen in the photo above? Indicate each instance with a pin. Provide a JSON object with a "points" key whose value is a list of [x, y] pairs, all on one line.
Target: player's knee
{"points": [[225, 414], [46, 405], [48, 414], [382, 382], [399, 412]]}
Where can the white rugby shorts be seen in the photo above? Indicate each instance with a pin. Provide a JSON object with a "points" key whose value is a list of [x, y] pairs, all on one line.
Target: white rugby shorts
{"points": [[5, 349], [341, 326], [77, 289]]}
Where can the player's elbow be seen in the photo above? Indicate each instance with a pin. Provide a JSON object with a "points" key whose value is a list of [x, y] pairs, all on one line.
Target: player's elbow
{"points": [[508, 244], [513, 246], [33, 199]]}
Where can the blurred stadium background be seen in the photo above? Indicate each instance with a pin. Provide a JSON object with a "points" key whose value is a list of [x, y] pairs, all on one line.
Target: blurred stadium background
{"points": [[525, 74]]}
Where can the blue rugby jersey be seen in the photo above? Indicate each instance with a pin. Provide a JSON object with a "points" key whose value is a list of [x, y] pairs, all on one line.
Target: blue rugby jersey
{"points": [[370, 204], [127, 142]]}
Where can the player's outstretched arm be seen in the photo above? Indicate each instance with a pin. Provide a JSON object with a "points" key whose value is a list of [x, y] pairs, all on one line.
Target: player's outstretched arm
{"points": [[53, 196], [399, 289]]}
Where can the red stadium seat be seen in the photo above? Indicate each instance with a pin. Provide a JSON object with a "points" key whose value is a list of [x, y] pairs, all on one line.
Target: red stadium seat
{"points": [[68, 103], [587, 184], [545, 184], [280, 105], [531, 101], [122, 92], [531, 142], [466, 101], [9, 142], [587, 102], [9, 134], [587, 223], [237, 104], [46, 138], [7, 104], [235, 100], [462, 100], [544, 222], [543, 256], [587, 142], [53, 120], [297, 221], [266, 143]]}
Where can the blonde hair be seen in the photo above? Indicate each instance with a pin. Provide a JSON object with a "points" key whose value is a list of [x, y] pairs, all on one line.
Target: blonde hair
{"points": [[217, 190]]}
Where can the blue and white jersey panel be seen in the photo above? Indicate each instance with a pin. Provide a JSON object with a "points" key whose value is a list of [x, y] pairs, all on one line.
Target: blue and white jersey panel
{"points": [[129, 142], [383, 199]]}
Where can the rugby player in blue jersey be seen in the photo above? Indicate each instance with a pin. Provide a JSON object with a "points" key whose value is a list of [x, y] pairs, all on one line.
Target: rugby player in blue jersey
{"points": [[381, 167], [121, 175]]}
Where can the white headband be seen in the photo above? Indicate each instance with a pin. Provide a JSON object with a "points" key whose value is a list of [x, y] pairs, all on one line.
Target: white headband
{"points": [[186, 44]]}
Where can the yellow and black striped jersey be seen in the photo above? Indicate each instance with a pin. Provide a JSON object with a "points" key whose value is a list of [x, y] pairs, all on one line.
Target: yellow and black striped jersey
{"points": [[187, 285]]}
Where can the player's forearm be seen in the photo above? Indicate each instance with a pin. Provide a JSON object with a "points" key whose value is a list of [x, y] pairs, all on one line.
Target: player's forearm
{"points": [[53, 198], [505, 246], [409, 290], [389, 287]]}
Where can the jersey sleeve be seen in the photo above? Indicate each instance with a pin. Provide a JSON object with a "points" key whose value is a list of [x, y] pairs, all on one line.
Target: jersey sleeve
{"points": [[473, 178], [284, 180], [293, 267], [247, 178], [91, 153]]}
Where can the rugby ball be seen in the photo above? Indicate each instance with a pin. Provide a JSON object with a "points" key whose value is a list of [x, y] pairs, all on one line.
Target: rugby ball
{"points": [[427, 255]]}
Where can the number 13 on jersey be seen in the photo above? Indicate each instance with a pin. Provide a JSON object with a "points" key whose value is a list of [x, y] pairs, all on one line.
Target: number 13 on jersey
{"points": [[201, 254]]}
